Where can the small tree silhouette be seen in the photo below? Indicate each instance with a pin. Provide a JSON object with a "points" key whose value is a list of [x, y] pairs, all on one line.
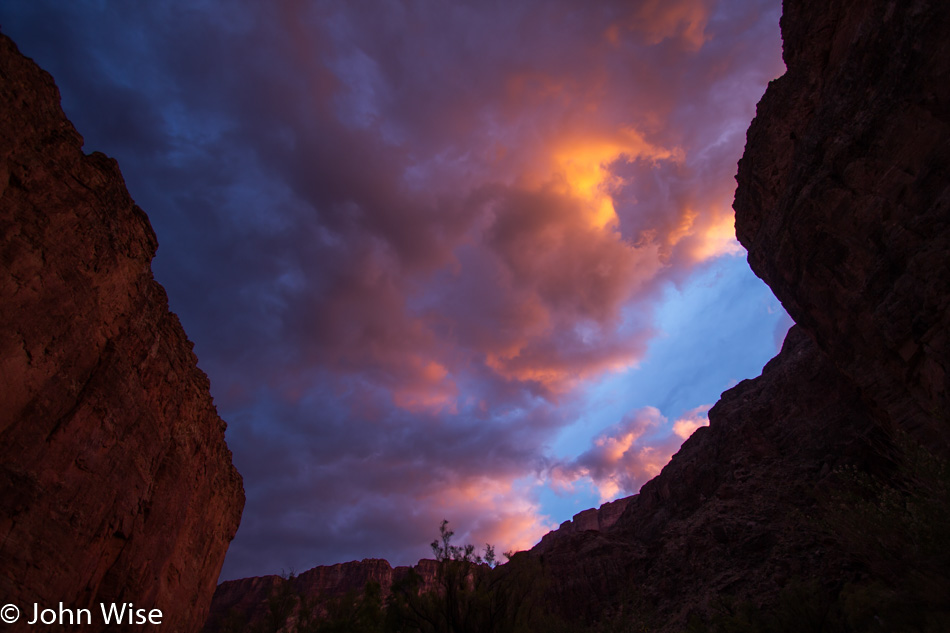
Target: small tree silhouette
{"points": [[443, 549]]}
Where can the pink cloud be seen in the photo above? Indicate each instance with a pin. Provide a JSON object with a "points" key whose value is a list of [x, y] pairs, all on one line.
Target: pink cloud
{"points": [[627, 455], [692, 420], [658, 20], [617, 457], [495, 510]]}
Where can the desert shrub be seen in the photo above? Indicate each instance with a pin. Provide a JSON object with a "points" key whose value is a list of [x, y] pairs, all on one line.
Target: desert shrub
{"points": [[281, 603], [461, 602], [472, 597]]}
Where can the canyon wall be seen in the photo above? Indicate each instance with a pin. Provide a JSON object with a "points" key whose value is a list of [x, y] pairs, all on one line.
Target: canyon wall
{"points": [[599, 519], [844, 198], [117, 482]]}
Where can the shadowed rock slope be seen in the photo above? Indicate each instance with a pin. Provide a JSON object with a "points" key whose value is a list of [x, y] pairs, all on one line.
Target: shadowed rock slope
{"points": [[117, 484], [733, 512]]}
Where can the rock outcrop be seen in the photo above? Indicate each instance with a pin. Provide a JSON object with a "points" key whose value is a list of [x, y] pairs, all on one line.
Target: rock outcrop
{"points": [[598, 519], [117, 482], [844, 198]]}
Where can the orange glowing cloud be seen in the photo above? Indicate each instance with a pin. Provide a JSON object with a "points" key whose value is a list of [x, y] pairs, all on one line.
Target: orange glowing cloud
{"points": [[577, 279], [559, 370], [704, 236], [580, 168], [717, 237], [557, 248], [527, 169], [562, 253]]}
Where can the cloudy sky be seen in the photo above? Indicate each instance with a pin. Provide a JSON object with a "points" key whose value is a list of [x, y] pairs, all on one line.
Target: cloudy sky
{"points": [[462, 260]]}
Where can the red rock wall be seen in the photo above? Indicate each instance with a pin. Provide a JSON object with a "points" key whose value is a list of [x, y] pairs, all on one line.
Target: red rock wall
{"points": [[248, 597], [116, 481], [844, 197]]}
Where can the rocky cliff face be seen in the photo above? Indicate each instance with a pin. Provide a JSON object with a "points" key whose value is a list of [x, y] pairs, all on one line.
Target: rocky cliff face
{"points": [[843, 201], [844, 198], [733, 512], [117, 483]]}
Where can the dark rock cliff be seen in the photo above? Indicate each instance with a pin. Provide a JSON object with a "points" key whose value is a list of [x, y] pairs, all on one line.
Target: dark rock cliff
{"points": [[732, 512], [844, 198], [843, 202], [117, 485]]}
